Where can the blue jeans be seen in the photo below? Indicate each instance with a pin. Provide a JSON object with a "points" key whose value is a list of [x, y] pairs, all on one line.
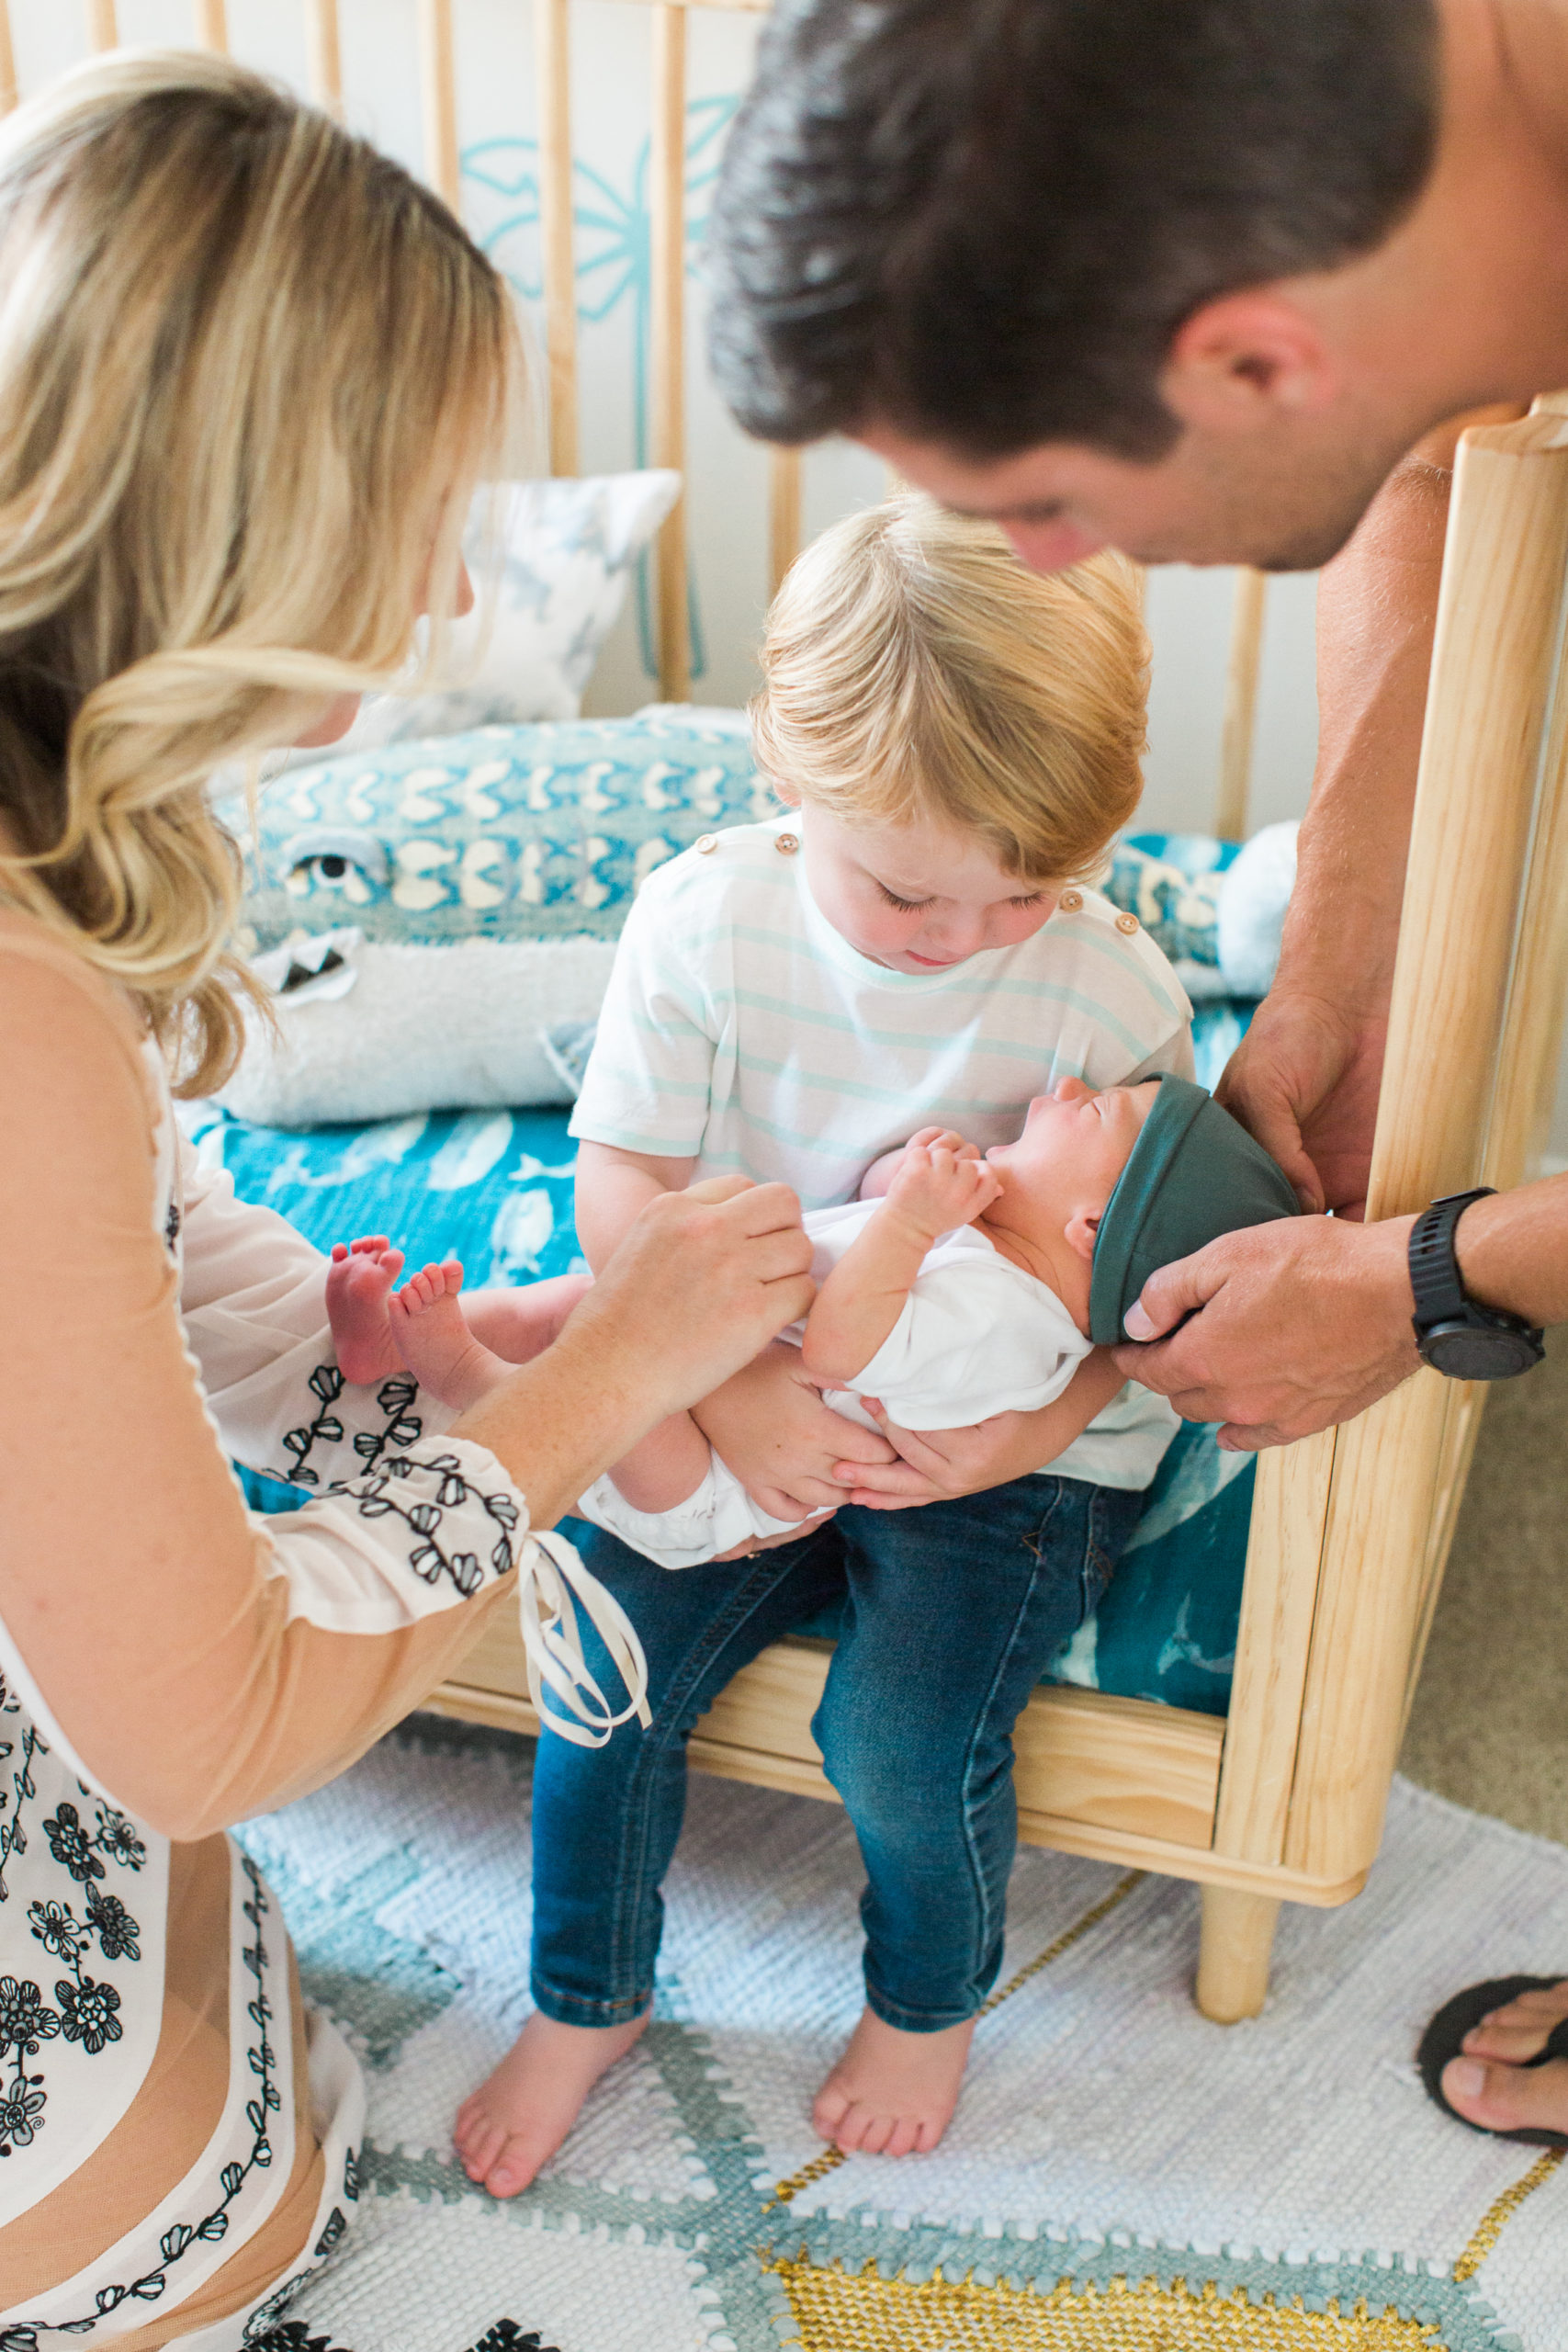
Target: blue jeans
{"points": [[953, 1613]]}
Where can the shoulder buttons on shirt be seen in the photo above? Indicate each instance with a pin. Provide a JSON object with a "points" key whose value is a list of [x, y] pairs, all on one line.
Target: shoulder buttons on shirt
{"points": [[706, 845], [1070, 902], [1128, 923], [787, 843]]}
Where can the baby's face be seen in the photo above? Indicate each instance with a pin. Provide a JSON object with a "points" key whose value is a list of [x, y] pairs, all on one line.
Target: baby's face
{"points": [[1065, 1166]]}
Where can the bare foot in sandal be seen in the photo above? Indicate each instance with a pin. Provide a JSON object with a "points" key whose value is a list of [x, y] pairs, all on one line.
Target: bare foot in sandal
{"points": [[892, 2093], [1493, 2082], [518, 2117]]}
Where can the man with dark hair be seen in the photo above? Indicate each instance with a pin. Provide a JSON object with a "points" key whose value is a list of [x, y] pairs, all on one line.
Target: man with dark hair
{"points": [[1208, 280]]}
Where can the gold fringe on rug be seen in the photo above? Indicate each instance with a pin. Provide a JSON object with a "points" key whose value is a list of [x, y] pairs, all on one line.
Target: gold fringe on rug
{"points": [[1501, 2213], [837, 2311]]}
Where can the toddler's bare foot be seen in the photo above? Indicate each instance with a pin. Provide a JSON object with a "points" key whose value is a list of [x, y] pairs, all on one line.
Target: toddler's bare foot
{"points": [[518, 2117], [521, 1324], [437, 1345], [359, 1287], [892, 2094]]}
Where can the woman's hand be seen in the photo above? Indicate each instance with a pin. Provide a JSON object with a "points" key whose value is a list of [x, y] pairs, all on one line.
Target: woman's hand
{"points": [[700, 1281], [770, 1426]]}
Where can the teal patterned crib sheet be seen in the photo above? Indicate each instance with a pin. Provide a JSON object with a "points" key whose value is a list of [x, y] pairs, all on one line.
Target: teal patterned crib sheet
{"points": [[494, 1189]]}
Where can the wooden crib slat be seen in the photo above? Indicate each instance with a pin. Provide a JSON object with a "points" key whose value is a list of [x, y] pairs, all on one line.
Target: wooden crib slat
{"points": [[8, 93], [1453, 1022], [667, 175], [1273, 1643], [552, 62], [784, 513], [438, 91], [103, 32], [326, 49], [1241, 704], [212, 25]]}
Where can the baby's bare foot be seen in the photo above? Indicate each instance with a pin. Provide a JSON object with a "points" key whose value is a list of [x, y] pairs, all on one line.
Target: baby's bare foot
{"points": [[359, 1287], [518, 2117], [892, 2094], [437, 1345]]}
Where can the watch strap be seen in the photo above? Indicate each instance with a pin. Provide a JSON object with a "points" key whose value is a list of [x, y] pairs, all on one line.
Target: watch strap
{"points": [[1435, 1277]]}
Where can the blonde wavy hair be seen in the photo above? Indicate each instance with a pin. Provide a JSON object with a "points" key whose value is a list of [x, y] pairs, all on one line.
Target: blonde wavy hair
{"points": [[249, 371], [914, 669]]}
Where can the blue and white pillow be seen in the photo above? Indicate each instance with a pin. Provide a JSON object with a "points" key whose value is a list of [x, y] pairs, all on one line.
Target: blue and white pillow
{"points": [[504, 833]]}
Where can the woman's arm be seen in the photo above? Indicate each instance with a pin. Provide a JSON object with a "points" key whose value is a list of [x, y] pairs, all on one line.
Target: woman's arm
{"points": [[199, 1665]]}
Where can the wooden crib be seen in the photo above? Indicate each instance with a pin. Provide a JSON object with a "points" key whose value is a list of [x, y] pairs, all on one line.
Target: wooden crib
{"points": [[1284, 1799]]}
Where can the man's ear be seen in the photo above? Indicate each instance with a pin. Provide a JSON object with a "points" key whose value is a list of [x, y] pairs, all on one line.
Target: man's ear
{"points": [[1243, 355], [1082, 1231]]}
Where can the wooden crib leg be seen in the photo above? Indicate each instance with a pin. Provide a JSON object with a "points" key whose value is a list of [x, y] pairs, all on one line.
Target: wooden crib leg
{"points": [[1232, 1953]]}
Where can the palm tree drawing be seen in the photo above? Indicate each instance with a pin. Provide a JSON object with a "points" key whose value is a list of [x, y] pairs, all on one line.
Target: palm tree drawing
{"points": [[613, 243]]}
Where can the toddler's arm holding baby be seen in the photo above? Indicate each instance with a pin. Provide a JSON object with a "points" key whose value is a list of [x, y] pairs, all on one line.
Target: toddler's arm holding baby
{"points": [[613, 1187]]}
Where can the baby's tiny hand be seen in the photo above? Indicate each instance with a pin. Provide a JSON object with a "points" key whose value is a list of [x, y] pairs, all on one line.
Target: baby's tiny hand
{"points": [[948, 1138], [939, 1185]]}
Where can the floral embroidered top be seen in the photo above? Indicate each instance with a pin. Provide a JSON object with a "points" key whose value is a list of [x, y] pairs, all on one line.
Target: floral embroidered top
{"points": [[176, 2137]]}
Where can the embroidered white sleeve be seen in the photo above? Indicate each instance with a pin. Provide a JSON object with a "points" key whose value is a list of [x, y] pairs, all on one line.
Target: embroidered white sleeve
{"points": [[253, 1299]]}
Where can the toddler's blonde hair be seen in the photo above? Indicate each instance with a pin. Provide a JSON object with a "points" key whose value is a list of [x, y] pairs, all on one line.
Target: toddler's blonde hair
{"points": [[914, 669], [249, 371]]}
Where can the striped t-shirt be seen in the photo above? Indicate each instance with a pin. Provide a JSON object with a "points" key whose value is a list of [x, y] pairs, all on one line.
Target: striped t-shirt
{"points": [[739, 1029]]}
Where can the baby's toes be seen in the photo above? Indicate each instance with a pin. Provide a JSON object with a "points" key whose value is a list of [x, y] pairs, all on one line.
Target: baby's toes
{"points": [[451, 1277]]}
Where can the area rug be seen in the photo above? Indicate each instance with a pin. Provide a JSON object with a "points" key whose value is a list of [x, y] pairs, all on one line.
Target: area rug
{"points": [[1122, 2176]]}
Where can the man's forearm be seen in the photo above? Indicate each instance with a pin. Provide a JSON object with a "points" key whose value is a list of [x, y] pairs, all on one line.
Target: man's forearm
{"points": [[1513, 1250], [1376, 610]]}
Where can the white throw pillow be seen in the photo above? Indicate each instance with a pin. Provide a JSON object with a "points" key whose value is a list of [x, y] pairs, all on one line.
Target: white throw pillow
{"points": [[1253, 896], [562, 554], [387, 1030]]}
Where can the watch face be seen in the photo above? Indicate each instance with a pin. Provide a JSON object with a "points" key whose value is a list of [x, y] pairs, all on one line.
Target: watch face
{"points": [[1464, 1352]]}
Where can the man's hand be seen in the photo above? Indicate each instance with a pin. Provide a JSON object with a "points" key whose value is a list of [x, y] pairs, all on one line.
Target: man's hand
{"points": [[770, 1425], [1304, 1081], [1293, 1326]]}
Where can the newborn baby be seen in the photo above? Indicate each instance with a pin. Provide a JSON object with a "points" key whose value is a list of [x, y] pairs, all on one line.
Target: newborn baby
{"points": [[974, 1286]]}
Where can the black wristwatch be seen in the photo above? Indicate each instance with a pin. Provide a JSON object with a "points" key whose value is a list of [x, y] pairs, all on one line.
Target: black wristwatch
{"points": [[1456, 1336]]}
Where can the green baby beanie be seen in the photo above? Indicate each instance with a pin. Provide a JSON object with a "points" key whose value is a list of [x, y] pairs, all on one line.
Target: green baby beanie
{"points": [[1194, 1174]]}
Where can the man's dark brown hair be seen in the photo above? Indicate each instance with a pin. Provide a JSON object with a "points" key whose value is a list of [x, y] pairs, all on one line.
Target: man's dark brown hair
{"points": [[981, 221]]}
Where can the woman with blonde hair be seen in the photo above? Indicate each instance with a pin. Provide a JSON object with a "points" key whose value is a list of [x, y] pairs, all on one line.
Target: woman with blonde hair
{"points": [[249, 374]]}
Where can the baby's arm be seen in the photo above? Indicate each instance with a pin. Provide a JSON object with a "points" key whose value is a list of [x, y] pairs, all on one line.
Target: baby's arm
{"points": [[941, 1182]]}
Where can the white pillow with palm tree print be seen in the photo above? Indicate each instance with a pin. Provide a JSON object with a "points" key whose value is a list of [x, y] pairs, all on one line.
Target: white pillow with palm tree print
{"points": [[552, 562]]}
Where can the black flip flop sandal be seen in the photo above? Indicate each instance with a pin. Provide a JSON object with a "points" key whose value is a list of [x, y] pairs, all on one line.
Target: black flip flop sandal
{"points": [[1444, 2038]]}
